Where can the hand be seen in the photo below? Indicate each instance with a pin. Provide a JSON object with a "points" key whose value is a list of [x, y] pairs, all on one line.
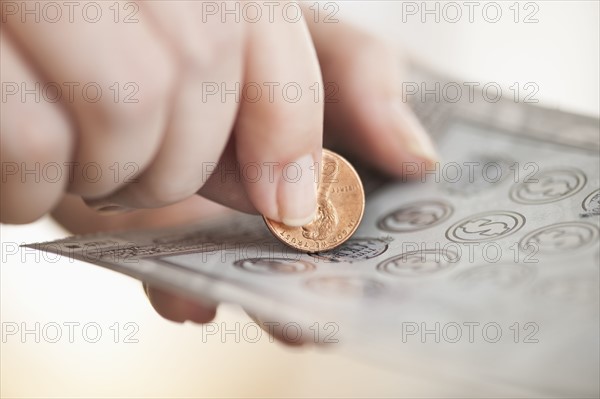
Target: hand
{"points": [[166, 139], [175, 129], [368, 119]]}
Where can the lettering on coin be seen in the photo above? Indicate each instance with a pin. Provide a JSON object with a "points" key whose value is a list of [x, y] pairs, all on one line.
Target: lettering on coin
{"points": [[327, 217], [340, 207]]}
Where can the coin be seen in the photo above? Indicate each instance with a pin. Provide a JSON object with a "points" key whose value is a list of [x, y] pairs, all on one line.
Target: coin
{"points": [[340, 207]]}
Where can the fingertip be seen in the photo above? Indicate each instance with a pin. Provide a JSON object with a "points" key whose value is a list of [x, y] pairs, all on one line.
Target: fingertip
{"points": [[179, 309], [412, 132], [297, 196], [276, 331]]}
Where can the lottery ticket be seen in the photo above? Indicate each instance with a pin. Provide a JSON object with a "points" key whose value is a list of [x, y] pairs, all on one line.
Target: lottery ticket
{"points": [[484, 270]]}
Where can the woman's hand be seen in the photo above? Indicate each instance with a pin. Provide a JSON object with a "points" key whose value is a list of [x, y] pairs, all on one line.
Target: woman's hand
{"points": [[172, 132], [175, 129]]}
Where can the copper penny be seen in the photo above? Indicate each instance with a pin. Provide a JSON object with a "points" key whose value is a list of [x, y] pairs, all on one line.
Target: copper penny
{"points": [[340, 207]]}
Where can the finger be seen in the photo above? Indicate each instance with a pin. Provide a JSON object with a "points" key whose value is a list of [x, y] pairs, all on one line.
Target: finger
{"points": [[116, 79], [366, 114], [209, 58], [223, 186], [36, 141], [288, 336], [75, 216], [279, 132], [179, 309]]}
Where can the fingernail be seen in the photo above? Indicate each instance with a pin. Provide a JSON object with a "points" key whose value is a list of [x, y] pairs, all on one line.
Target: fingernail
{"points": [[416, 140], [106, 207], [297, 194]]}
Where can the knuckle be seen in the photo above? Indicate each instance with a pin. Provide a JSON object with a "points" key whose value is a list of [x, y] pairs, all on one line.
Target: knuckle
{"points": [[302, 121], [14, 212], [138, 98], [40, 140], [162, 192], [34, 154], [374, 82], [278, 128], [219, 45], [369, 44]]}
